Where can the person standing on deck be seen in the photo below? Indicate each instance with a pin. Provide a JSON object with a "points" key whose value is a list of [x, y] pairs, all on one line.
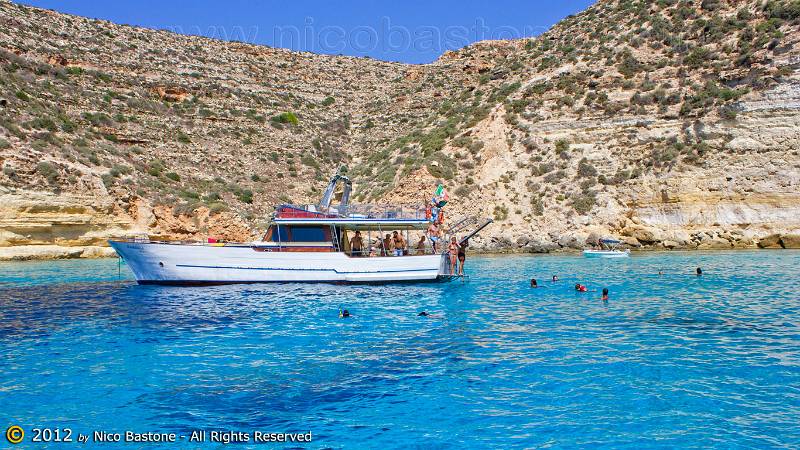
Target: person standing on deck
{"points": [[462, 256], [421, 245], [388, 245], [453, 250], [356, 244], [433, 233], [399, 244]]}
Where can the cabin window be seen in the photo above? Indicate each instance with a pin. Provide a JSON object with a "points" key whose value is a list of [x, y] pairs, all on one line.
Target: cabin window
{"points": [[285, 233], [282, 234], [308, 234]]}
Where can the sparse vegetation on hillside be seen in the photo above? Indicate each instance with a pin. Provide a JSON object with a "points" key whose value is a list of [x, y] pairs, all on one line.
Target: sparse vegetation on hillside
{"points": [[234, 127]]}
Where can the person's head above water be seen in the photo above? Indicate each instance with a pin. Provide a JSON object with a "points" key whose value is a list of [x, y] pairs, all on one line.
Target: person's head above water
{"points": [[344, 314], [605, 294], [699, 271], [423, 314], [555, 277], [533, 282]]}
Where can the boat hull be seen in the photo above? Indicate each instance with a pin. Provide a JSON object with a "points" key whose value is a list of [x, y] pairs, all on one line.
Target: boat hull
{"points": [[190, 264], [606, 254]]}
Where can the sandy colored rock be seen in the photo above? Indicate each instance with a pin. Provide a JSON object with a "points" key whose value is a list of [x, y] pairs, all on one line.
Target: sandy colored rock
{"points": [[790, 241], [771, 241]]}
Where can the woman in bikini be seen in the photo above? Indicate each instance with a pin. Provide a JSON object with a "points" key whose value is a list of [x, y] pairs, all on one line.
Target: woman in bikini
{"points": [[462, 256], [453, 249]]}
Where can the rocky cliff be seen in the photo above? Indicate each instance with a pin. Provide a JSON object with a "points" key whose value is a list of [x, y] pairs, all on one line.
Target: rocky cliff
{"points": [[671, 124]]}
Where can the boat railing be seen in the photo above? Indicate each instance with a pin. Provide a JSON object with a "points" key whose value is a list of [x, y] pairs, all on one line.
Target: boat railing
{"points": [[364, 211]]}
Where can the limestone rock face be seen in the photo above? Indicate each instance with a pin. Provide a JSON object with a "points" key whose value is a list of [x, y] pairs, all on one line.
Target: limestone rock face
{"points": [[562, 140], [771, 241], [790, 240]]}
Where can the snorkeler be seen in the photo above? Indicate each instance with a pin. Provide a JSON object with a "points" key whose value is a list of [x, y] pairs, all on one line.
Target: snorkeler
{"points": [[605, 295], [423, 314], [581, 288], [699, 272], [534, 284], [344, 314]]}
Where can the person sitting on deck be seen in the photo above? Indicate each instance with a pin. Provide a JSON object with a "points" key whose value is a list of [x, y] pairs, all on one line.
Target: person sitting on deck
{"points": [[399, 244], [356, 244], [453, 249], [433, 233], [388, 245], [421, 245]]}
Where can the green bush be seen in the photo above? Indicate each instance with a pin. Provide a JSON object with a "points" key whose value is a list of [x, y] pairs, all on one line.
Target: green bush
{"points": [[217, 207], [586, 170], [728, 112], [43, 123], [698, 57], [173, 176], [48, 170], [118, 170], [245, 196], [500, 213], [156, 167], [286, 118], [328, 101], [562, 146], [98, 119], [182, 137], [584, 202]]}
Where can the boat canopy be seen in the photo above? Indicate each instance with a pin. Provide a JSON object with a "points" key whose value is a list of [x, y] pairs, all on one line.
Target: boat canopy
{"points": [[355, 217], [363, 224], [609, 241]]}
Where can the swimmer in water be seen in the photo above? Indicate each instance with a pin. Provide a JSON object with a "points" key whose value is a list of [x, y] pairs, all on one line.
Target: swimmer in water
{"points": [[344, 314], [581, 288], [555, 278], [605, 295], [534, 284], [423, 314], [699, 272]]}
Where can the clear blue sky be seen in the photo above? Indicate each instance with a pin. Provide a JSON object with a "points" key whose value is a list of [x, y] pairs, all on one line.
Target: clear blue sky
{"points": [[410, 31]]}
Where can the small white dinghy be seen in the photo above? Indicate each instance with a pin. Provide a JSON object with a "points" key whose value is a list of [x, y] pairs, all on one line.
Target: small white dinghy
{"points": [[607, 250]]}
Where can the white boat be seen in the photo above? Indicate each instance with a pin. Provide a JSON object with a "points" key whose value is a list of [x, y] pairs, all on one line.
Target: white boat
{"points": [[302, 244], [607, 250], [606, 253]]}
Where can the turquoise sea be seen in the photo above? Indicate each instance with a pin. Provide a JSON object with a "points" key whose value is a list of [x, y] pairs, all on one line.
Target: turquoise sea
{"points": [[670, 361]]}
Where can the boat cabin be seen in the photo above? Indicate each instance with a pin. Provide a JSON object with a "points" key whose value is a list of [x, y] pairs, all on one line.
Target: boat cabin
{"points": [[307, 229]]}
